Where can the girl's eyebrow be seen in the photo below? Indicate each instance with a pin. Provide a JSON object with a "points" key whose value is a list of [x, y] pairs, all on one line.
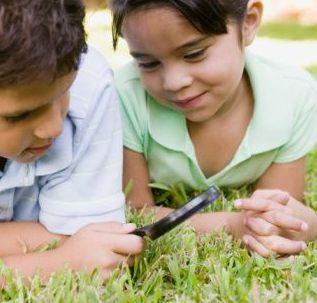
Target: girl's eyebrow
{"points": [[193, 42], [188, 44]]}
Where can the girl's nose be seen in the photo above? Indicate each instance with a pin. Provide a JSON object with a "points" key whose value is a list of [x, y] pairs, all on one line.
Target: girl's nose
{"points": [[175, 79]]}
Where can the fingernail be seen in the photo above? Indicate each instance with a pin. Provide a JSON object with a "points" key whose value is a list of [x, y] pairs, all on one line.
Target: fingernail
{"points": [[304, 226], [304, 245], [238, 203]]}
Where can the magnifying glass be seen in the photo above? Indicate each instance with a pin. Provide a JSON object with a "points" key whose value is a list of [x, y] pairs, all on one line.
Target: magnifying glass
{"points": [[164, 225]]}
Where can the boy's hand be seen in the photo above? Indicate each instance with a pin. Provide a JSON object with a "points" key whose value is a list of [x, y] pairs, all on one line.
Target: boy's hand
{"points": [[272, 223], [101, 245]]}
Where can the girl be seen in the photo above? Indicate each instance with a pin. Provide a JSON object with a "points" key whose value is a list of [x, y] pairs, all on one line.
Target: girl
{"points": [[200, 109]]}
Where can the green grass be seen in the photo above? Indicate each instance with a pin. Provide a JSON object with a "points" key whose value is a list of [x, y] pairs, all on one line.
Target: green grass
{"points": [[288, 31], [181, 267], [313, 70]]}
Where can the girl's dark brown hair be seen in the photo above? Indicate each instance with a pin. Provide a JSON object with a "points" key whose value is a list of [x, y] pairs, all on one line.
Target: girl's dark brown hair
{"points": [[207, 16], [40, 40]]}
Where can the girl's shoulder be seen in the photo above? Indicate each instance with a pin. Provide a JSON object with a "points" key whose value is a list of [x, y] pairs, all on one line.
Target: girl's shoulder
{"points": [[129, 86], [279, 83], [127, 77]]}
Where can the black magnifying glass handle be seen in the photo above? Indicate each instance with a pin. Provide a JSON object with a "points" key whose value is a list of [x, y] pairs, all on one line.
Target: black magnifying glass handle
{"points": [[164, 225]]}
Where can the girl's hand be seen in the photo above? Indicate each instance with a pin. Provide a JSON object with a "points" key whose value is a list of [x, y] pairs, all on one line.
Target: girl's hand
{"points": [[267, 213], [103, 246], [273, 224]]}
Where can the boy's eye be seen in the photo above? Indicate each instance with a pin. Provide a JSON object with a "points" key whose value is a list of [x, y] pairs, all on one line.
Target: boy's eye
{"points": [[14, 119], [148, 65], [195, 55]]}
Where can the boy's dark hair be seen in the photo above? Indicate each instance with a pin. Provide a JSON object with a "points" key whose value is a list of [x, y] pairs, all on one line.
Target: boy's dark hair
{"points": [[207, 16], [40, 40]]}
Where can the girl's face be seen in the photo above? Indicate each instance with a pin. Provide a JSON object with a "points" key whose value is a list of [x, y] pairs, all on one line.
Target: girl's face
{"points": [[191, 72]]}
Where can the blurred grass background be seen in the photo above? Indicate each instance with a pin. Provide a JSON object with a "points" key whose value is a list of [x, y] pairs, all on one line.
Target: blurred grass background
{"points": [[281, 38]]}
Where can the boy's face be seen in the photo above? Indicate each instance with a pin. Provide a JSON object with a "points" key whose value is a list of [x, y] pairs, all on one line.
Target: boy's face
{"points": [[31, 117]]}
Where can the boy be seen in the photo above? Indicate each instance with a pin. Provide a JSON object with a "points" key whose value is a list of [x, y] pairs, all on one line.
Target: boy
{"points": [[60, 144]]}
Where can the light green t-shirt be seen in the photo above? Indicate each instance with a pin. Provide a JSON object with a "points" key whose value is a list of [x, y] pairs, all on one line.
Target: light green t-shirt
{"points": [[283, 127]]}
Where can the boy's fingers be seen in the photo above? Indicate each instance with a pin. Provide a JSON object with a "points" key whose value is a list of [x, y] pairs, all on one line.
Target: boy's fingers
{"points": [[125, 244], [277, 195], [281, 245], [285, 221], [261, 227], [111, 227], [256, 246]]}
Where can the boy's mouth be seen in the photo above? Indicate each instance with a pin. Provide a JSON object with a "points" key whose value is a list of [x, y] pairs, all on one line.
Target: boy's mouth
{"points": [[39, 150]]}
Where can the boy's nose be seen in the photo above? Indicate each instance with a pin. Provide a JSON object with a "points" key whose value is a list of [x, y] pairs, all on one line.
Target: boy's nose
{"points": [[51, 124]]}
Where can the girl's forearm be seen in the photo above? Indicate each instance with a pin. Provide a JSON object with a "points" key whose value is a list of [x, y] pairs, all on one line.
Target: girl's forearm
{"points": [[308, 215], [204, 222], [21, 237]]}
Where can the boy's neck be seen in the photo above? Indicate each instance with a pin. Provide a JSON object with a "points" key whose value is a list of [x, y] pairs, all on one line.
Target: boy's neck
{"points": [[3, 162]]}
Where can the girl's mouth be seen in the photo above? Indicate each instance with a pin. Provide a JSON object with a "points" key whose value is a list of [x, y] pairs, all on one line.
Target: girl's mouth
{"points": [[190, 102]]}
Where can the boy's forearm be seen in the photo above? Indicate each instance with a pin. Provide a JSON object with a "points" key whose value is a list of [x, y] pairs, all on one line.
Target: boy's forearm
{"points": [[21, 237], [43, 263]]}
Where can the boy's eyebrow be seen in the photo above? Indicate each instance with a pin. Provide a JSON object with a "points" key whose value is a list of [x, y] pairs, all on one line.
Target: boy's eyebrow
{"points": [[25, 112], [188, 44], [19, 112]]}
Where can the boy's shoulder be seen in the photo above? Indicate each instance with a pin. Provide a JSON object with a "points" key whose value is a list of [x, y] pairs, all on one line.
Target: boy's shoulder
{"points": [[93, 78]]}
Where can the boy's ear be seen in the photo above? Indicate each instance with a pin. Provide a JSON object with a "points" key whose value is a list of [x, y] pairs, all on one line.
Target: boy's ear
{"points": [[252, 21]]}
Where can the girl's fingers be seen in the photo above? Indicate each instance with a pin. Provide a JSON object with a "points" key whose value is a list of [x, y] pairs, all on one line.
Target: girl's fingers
{"points": [[284, 221], [281, 245], [261, 227], [277, 195], [254, 245], [260, 205]]}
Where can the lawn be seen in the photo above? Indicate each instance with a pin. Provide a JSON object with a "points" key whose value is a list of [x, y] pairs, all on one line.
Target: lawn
{"points": [[288, 31], [181, 267]]}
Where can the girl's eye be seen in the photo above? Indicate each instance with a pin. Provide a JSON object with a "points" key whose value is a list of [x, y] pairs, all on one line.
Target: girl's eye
{"points": [[148, 65], [195, 55], [14, 119]]}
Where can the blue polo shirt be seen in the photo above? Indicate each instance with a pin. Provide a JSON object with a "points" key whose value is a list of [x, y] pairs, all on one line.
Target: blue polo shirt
{"points": [[79, 180]]}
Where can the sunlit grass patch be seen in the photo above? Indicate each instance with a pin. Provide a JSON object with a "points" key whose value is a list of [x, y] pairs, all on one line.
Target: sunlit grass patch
{"points": [[313, 70], [288, 31]]}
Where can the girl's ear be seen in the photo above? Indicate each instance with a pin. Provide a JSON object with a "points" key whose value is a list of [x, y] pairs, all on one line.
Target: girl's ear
{"points": [[252, 21]]}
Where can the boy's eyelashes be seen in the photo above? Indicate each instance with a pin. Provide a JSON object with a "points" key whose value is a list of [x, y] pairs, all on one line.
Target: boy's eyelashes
{"points": [[13, 119], [191, 57]]}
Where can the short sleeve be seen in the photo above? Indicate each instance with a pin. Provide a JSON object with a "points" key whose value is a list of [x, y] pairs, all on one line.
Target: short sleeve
{"points": [[304, 132], [133, 110], [90, 189]]}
